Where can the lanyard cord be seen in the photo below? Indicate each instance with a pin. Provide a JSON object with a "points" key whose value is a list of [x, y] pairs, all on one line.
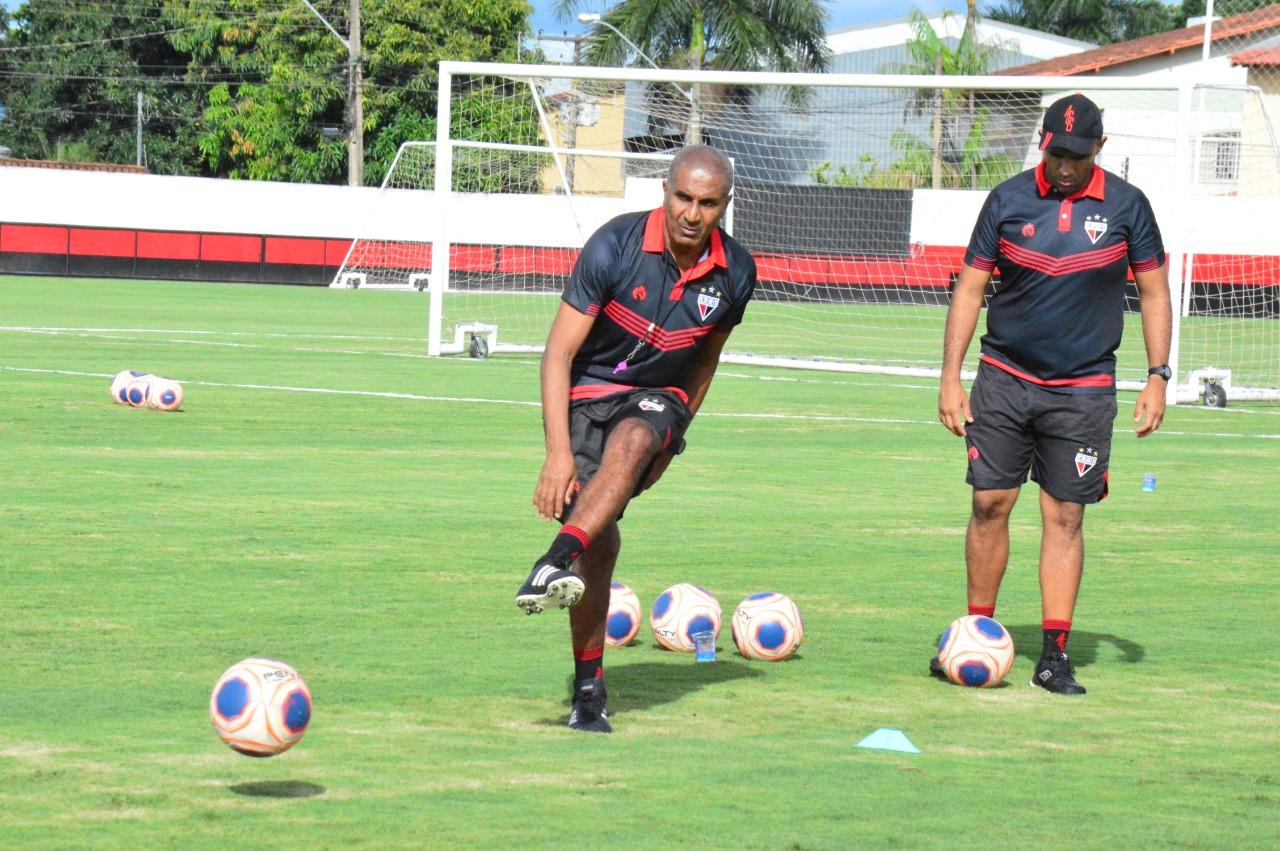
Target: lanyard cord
{"points": [[646, 338]]}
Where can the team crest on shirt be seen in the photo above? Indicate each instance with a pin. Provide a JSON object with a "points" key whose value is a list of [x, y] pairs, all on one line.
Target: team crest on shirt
{"points": [[708, 300], [1086, 458], [1095, 226]]}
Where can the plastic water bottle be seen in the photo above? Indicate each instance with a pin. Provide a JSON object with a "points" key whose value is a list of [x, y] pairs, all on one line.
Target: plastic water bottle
{"points": [[1148, 482]]}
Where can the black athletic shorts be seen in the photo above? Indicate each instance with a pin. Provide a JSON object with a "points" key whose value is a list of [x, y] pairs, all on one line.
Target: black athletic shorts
{"points": [[1063, 439], [591, 421]]}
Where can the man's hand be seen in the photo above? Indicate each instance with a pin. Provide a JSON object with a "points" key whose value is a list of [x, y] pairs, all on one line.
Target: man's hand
{"points": [[557, 483], [953, 406], [1151, 405]]}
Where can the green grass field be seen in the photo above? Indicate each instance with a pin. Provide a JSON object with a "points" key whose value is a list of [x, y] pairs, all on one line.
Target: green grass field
{"points": [[330, 497]]}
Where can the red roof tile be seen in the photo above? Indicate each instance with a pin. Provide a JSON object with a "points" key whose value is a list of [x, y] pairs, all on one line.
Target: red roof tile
{"points": [[1257, 56], [1091, 61], [130, 169]]}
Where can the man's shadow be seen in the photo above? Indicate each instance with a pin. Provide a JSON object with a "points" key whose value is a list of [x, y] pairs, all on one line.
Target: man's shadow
{"points": [[636, 686], [1082, 646]]}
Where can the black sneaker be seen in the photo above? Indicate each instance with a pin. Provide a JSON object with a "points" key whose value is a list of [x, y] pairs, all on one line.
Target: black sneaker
{"points": [[589, 714], [549, 583], [935, 668], [1054, 673]]}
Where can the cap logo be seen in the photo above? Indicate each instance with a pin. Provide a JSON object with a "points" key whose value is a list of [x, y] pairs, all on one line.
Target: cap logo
{"points": [[1069, 119]]}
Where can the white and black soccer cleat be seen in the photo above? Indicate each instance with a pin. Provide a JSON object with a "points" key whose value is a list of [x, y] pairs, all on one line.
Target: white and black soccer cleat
{"points": [[549, 584], [589, 714]]}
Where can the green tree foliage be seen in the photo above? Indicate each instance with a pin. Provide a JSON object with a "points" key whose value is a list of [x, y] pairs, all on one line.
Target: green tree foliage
{"points": [[240, 88], [1097, 21], [70, 73], [736, 35]]}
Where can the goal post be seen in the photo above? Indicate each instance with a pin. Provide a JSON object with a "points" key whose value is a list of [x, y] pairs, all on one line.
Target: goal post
{"points": [[855, 193]]}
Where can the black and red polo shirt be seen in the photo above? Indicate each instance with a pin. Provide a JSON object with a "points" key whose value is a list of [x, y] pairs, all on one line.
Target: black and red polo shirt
{"points": [[1058, 310], [631, 284]]}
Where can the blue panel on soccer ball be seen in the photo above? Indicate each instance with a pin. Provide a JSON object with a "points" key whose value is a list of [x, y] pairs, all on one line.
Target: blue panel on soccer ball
{"points": [[942, 641], [974, 673], [616, 585], [761, 595], [297, 712], [989, 628], [619, 625], [232, 697], [701, 623], [771, 634], [661, 604]]}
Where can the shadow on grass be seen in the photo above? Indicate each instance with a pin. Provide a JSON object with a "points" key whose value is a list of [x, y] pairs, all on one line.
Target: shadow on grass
{"points": [[638, 686], [278, 789], [1082, 648]]}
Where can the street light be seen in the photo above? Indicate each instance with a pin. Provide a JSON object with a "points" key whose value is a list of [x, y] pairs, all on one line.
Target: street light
{"points": [[594, 18]]}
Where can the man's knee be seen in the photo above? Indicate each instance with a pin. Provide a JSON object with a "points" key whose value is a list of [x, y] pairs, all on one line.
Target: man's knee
{"points": [[635, 440], [993, 506]]}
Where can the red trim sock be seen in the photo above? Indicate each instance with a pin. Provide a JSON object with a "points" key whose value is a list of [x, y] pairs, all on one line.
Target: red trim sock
{"points": [[1056, 633], [588, 663], [570, 543], [985, 611]]}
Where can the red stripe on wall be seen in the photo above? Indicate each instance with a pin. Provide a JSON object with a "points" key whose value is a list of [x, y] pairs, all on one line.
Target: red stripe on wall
{"points": [[335, 251], [539, 261], [231, 248], [94, 242], [33, 239], [473, 258], [297, 251], [166, 245]]}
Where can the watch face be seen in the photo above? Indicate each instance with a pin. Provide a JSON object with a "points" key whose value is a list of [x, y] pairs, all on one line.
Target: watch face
{"points": [[1163, 371]]}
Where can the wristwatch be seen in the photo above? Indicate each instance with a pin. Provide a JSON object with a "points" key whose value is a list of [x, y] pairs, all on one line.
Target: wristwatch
{"points": [[1162, 370]]}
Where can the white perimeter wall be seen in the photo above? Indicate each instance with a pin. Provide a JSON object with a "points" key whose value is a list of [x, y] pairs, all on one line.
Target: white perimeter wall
{"points": [[101, 199]]}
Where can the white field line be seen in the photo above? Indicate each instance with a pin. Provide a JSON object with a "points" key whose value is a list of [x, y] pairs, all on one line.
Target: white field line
{"points": [[480, 400], [112, 334]]}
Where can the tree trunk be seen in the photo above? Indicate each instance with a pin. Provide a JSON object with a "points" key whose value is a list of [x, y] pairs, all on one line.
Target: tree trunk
{"points": [[937, 128], [697, 52]]}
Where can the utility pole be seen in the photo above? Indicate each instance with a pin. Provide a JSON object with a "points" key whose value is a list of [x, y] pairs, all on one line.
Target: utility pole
{"points": [[139, 157], [355, 91], [355, 101]]}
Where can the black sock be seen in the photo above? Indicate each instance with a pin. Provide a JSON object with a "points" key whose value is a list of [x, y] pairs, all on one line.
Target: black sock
{"points": [[567, 546], [1056, 634], [588, 664]]}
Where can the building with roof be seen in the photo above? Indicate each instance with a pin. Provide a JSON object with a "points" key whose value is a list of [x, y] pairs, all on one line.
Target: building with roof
{"points": [[1231, 124]]}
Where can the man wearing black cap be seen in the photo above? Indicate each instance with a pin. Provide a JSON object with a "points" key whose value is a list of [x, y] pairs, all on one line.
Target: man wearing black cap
{"points": [[1064, 236]]}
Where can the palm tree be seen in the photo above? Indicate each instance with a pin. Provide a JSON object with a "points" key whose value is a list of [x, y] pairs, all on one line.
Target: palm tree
{"points": [[1098, 21], [932, 55], [734, 35]]}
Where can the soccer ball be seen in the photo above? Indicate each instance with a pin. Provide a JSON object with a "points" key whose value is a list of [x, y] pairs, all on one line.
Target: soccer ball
{"points": [[260, 707], [767, 626], [975, 651], [624, 616], [137, 393], [119, 383], [166, 394], [679, 612]]}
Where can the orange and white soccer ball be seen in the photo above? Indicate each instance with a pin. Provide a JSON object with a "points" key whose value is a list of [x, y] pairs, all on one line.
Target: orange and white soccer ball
{"points": [[166, 394], [623, 622], [976, 651], [767, 626], [260, 707], [119, 383], [679, 612], [137, 393]]}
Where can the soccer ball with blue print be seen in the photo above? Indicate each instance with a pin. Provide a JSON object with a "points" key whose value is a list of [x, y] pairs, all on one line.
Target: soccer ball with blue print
{"points": [[767, 626], [976, 651], [260, 707], [166, 394], [122, 380], [623, 621], [681, 611]]}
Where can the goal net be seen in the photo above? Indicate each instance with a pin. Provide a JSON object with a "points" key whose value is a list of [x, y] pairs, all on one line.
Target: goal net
{"points": [[855, 193]]}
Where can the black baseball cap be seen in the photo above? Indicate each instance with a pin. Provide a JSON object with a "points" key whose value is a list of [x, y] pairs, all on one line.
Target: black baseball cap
{"points": [[1074, 123]]}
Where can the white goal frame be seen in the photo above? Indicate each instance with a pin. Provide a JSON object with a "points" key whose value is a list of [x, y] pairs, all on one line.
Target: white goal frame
{"points": [[1191, 380]]}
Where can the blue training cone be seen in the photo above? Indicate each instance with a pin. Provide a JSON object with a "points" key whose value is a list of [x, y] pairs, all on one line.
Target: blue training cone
{"points": [[888, 739]]}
